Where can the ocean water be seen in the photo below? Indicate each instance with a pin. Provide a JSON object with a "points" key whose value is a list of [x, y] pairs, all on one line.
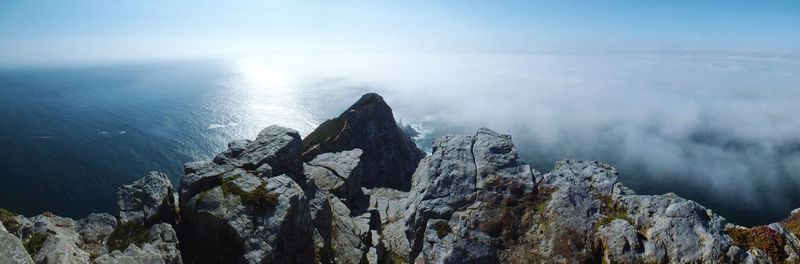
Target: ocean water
{"points": [[71, 135], [721, 131]]}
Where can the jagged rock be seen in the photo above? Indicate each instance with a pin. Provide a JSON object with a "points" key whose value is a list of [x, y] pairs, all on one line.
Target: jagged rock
{"points": [[276, 146], [62, 243], [275, 151], [149, 199], [338, 173], [349, 234], [161, 247], [390, 156], [94, 229], [388, 208], [321, 215], [468, 197], [227, 230], [11, 248]]}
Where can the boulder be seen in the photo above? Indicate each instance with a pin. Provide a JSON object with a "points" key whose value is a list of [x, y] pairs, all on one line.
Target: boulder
{"points": [[275, 151], [277, 147], [390, 156], [149, 200], [339, 173], [161, 247], [248, 219], [94, 230], [56, 238], [469, 197], [11, 248]]}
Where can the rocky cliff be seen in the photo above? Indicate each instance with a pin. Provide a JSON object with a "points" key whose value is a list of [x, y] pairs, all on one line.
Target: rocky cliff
{"points": [[357, 190]]}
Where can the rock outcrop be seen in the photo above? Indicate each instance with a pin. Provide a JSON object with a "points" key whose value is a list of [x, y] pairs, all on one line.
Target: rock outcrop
{"points": [[12, 249], [149, 200], [390, 156], [359, 191]]}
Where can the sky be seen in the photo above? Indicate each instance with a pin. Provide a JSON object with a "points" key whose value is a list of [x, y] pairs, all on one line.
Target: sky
{"points": [[75, 31]]}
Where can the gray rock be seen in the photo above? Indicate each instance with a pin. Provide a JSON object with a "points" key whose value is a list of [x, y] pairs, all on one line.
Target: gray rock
{"points": [[161, 247], [227, 229], [349, 234], [390, 156], [63, 243], [276, 146], [467, 197], [94, 229], [11, 249], [339, 173], [149, 200]]}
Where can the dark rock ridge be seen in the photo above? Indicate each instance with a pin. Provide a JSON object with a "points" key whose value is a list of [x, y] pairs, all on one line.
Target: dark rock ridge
{"points": [[390, 156], [352, 197]]}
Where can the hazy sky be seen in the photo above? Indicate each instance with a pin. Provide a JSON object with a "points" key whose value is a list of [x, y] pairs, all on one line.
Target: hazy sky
{"points": [[48, 31]]}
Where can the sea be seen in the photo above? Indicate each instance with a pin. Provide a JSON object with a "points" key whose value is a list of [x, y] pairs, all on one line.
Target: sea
{"points": [[71, 134]]}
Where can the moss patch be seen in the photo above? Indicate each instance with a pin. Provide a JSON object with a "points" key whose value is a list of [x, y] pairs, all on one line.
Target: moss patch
{"points": [[611, 211], [260, 199], [396, 258], [126, 234], [442, 228], [34, 243], [9, 220], [760, 237]]}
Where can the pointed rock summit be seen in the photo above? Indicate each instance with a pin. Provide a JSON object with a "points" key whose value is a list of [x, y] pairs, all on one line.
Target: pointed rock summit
{"points": [[390, 156]]}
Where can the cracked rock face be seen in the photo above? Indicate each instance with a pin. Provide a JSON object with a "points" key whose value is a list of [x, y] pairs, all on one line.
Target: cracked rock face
{"points": [[468, 197], [339, 173], [149, 200], [390, 156], [277, 147]]}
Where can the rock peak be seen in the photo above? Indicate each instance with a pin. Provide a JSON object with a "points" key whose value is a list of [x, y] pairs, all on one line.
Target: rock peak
{"points": [[390, 155], [369, 100]]}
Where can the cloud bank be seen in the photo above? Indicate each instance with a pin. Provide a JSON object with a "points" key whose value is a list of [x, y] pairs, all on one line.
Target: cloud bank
{"points": [[720, 130]]}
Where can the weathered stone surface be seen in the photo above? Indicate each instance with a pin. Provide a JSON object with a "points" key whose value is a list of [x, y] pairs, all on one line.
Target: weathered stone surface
{"points": [[149, 200], [390, 156], [94, 229], [339, 173], [276, 146], [161, 247], [11, 248], [63, 243], [226, 230], [467, 199], [349, 234], [388, 208]]}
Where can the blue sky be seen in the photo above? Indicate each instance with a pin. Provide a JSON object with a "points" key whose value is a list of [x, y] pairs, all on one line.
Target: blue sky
{"points": [[41, 31]]}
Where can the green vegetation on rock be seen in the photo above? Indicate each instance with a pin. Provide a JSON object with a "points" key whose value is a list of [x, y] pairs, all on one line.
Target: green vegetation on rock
{"points": [[260, 199], [34, 243], [760, 237], [611, 211], [9, 220], [442, 228], [126, 234]]}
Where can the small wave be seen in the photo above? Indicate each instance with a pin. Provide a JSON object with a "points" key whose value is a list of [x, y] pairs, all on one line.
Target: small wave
{"points": [[122, 132], [102, 133], [233, 124], [215, 126], [41, 137]]}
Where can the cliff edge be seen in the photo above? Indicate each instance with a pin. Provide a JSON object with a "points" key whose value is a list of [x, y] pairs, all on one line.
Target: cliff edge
{"points": [[357, 190]]}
